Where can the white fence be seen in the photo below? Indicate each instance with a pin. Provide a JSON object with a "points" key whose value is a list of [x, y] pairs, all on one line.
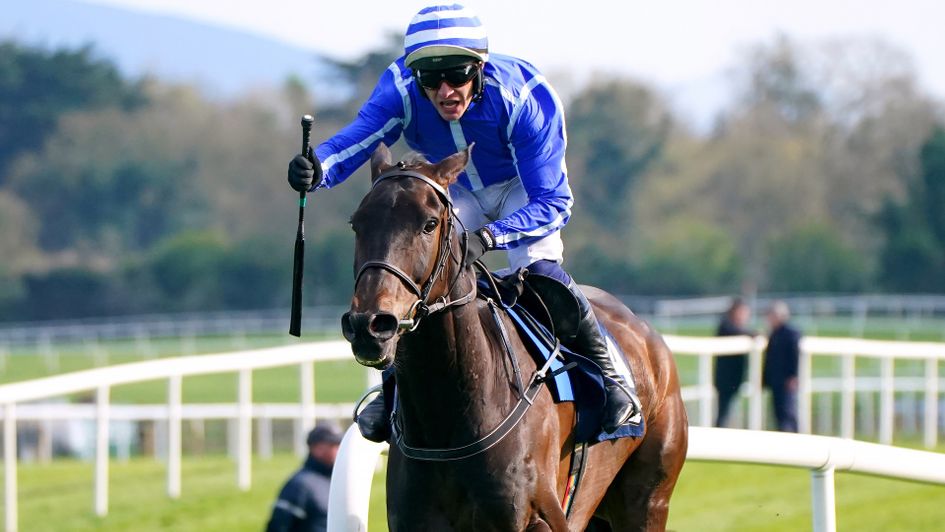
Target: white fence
{"points": [[13, 396], [898, 314], [929, 354], [174, 370], [349, 496]]}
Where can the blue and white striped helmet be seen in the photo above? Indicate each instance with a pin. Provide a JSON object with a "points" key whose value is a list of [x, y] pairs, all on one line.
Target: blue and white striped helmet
{"points": [[445, 30]]}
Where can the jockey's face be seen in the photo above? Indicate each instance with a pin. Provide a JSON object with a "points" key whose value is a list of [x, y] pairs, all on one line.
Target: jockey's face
{"points": [[451, 102]]}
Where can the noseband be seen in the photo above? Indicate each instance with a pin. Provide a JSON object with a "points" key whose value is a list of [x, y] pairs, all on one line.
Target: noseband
{"points": [[422, 307]]}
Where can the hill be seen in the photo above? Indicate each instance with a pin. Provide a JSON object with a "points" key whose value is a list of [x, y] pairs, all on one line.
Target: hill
{"points": [[223, 61]]}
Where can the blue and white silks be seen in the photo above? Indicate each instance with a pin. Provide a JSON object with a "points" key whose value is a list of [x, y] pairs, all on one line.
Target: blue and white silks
{"points": [[518, 127]]}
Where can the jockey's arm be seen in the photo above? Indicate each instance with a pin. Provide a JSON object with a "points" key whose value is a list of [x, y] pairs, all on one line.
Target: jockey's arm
{"points": [[381, 118]]}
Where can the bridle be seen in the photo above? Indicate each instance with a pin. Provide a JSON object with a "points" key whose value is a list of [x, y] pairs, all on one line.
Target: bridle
{"points": [[422, 307]]}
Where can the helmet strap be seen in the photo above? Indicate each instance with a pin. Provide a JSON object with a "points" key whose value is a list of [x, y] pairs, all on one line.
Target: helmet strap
{"points": [[478, 84]]}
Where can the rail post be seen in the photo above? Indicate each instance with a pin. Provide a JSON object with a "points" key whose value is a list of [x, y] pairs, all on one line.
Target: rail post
{"points": [[349, 495], [10, 466], [886, 400], [931, 403], [755, 390], [804, 391], [848, 396], [824, 507], [245, 429], [102, 419], [706, 392], [174, 411]]}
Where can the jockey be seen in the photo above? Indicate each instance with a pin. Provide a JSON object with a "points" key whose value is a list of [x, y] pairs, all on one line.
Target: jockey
{"points": [[446, 92]]}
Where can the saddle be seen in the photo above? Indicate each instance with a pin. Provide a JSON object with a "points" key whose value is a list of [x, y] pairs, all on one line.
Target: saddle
{"points": [[546, 315]]}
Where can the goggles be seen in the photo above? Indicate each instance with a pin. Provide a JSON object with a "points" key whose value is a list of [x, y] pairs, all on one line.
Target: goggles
{"points": [[456, 76]]}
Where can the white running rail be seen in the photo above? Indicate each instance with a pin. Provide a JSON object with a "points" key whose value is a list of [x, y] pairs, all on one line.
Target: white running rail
{"points": [[928, 354], [350, 492], [173, 370]]}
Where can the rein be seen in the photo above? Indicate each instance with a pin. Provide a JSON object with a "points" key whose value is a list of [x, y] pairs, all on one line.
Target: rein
{"points": [[422, 308], [538, 379], [526, 398]]}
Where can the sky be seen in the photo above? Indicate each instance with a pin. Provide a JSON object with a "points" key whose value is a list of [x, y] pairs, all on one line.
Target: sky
{"points": [[681, 46]]}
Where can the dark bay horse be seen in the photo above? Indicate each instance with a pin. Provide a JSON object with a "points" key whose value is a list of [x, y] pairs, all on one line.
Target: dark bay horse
{"points": [[414, 307]]}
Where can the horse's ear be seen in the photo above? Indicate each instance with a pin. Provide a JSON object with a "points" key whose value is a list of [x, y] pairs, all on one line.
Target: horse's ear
{"points": [[448, 169], [380, 161]]}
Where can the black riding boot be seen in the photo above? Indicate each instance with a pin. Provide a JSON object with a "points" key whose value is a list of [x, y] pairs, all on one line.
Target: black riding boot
{"points": [[621, 405], [372, 420]]}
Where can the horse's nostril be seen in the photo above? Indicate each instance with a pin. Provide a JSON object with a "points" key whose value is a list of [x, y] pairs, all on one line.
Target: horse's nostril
{"points": [[349, 324], [383, 325]]}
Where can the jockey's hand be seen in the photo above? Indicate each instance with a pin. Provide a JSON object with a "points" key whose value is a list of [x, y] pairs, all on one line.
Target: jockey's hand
{"points": [[477, 243], [305, 172]]}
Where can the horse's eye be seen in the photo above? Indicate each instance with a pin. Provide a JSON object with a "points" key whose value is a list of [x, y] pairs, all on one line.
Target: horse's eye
{"points": [[430, 226]]}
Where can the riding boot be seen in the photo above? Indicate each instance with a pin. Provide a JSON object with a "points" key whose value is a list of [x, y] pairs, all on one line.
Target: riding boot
{"points": [[621, 404], [372, 420]]}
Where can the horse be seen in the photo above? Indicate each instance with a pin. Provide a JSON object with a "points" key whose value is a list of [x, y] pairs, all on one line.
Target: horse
{"points": [[464, 461]]}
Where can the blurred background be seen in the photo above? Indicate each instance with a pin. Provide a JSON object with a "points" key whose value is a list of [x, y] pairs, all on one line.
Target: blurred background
{"points": [[764, 149], [142, 153]]}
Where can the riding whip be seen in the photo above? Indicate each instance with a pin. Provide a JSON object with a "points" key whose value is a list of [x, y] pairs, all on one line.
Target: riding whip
{"points": [[295, 322]]}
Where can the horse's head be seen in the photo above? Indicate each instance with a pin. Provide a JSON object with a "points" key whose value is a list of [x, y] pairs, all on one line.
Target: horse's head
{"points": [[407, 254]]}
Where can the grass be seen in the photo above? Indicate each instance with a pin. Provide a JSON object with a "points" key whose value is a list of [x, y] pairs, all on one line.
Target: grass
{"points": [[708, 497], [732, 497]]}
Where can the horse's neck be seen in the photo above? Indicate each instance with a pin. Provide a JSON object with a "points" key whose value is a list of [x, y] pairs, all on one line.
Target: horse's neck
{"points": [[451, 378]]}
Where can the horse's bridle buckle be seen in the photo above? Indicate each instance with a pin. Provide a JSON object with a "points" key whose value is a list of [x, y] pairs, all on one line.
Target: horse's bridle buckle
{"points": [[418, 311]]}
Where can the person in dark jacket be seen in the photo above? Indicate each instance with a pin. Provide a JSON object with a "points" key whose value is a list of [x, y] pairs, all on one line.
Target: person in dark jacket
{"points": [[730, 369], [302, 505], [780, 368]]}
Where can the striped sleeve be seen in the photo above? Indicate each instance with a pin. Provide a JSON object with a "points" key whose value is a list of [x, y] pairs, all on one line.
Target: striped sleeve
{"points": [[381, 118], [537, 141]]}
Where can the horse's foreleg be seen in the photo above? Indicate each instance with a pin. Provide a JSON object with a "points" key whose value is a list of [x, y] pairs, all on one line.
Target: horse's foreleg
{"points": [[550, 516], [639, 496]]}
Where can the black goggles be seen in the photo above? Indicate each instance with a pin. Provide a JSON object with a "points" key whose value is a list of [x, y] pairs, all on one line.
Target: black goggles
{"points": [[456, 76]]}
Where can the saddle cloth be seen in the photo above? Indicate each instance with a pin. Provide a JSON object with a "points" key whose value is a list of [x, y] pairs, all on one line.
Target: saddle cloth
{"points": [[583, 384]]}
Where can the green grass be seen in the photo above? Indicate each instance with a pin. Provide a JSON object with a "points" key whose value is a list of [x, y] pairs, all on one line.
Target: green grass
{"points": [[734, 497], [708, 497], [59, 497]]}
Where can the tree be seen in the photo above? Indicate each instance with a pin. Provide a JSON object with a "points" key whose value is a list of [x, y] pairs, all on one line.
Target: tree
{"points": [[186, 270], [37, 86], [360, 75], [814, 258], [121, 182], [690, 258], [913, 256], [776, 80], [616, 132]]}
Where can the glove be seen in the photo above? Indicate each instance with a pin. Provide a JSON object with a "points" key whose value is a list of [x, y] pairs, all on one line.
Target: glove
{"points": [[305, 173], [477, 243]]}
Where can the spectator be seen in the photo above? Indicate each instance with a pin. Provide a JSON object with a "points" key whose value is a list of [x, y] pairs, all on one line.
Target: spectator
{"points": [[730, 369], [780, 368], [302, 505]]}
